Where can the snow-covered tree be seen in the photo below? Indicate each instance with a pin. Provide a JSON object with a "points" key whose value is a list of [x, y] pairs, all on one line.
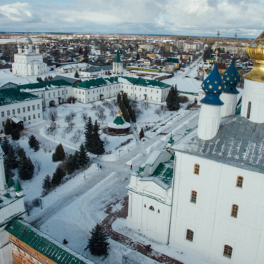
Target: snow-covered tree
{"points": [[46, 184], [59, 154], [88, 132], [83, 158], [173, 100]]}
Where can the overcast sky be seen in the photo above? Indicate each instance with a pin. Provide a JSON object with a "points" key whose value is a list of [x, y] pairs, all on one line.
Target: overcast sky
{"points": [[172, 17]]}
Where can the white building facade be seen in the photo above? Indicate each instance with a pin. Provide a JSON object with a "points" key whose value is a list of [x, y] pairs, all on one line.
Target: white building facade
{"points": [[29, 62]]}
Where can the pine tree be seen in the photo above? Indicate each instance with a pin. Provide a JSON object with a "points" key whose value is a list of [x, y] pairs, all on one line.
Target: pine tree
{"points": [[83, 158], [97, 143], [25, 168], [141, 134], [12, 157], [76, 75], [118, 98], [126, 115], [31, 141], [98, 241], [88, 135], [72, 163], [8, 127], [59, 154], [5, 145], [57, 176], [36, 146], [173, 101], [46, 184], [15, 134]]}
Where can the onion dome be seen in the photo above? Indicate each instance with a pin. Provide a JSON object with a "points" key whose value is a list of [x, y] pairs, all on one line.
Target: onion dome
{"points": [[26, 47], [213, 87], [119, 122], [117, 59], [230, 79], [255, 51], [28, 41]]}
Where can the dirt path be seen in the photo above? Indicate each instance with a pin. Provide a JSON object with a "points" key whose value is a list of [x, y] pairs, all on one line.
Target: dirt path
{"points": [[128, 242]]}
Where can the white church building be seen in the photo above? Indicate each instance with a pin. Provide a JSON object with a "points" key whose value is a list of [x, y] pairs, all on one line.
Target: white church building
{"points": [[29, 62], [213, 201]]}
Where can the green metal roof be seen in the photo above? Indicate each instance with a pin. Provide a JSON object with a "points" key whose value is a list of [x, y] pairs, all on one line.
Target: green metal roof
{"points": [[173, 60], [119, 121], [94, 83], [18, 187], [165, 171], [147, 83], [39, 85], [117, 59], [13, 95], [44, 244]]}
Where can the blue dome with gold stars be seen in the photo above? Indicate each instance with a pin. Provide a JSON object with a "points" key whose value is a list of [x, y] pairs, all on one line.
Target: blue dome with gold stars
{"points": [[213, 87], [230, 79]]}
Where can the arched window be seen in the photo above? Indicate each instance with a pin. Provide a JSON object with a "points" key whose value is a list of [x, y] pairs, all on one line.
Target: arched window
{"points": [[196, 169], [193, 196], [151, 208], [189, 235], [239, 181], [228, 251], [248, 110], [234, 210]]}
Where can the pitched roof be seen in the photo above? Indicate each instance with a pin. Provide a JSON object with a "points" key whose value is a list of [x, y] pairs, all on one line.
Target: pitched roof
{"points": [[44, 244], [13, 95], [173, 60], [39, 85], [67, 79], [146, 82], [94, 83]]}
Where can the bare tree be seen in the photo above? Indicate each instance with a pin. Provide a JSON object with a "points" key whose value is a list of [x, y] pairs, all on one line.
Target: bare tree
{"points": [[85, 116], [158, 111], [112, 113], [100, 113], [53, 114], [76, 137], [51, 130]]}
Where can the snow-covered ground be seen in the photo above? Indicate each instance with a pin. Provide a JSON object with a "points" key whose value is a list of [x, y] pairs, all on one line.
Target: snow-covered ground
{"points": [[74, 208]]}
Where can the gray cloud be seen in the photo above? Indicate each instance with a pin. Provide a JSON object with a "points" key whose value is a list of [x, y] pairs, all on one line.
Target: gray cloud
{"points": [[182, 17]]}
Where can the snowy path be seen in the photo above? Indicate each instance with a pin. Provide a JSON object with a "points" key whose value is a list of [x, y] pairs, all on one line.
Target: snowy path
{"points": [[119, 167]]}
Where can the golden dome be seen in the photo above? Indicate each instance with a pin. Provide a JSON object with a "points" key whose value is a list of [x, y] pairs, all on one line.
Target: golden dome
{"points": [[255, 51], [119, 112]]}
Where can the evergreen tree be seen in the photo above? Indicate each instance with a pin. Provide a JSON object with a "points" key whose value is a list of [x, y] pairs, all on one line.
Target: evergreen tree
{"points": [[125, 100], [57, 176], [82, 156], [118, 98], [46, 184], [98, 241], [5, 145], [85, 52], [15, 134], [8, 169], [138, 57], [97, 143], [31, 141], [126, 115], [76, 75], [36, 146], [72, 163], [172, 100], [12, 157], [141, 134], [21, 152], [80, 50], [59, 154], [88, 132], [8, 127], [25, 168]]}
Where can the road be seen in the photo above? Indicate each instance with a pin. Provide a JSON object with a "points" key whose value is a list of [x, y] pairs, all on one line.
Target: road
{"points": [[122, 170]]}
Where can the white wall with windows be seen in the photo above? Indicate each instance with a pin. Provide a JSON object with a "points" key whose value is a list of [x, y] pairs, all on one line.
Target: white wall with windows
{"points": [[30, 111]]}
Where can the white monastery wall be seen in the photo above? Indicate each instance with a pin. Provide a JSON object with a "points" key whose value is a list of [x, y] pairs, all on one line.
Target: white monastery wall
{"points": [[210, 217]]}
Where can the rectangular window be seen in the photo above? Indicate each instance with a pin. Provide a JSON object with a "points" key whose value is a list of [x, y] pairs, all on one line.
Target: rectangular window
{"points": [[66, 91], [8, 112], [53, 94], [13, 112], [33, 107], [38, 115], [29, 118], [194, 196], [196, 169], [38, 106], [239, 181], [62, 92], [189, 235], [3, 124], [25, 119], [58, 93], [234, 210], [2, 114], [18, 110], [24, 109], [34, 116], [228, 251], [28, 108]]}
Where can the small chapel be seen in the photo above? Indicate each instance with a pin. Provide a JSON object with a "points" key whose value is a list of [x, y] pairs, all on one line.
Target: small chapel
{"points": [[213, 203], [28, 62]]}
